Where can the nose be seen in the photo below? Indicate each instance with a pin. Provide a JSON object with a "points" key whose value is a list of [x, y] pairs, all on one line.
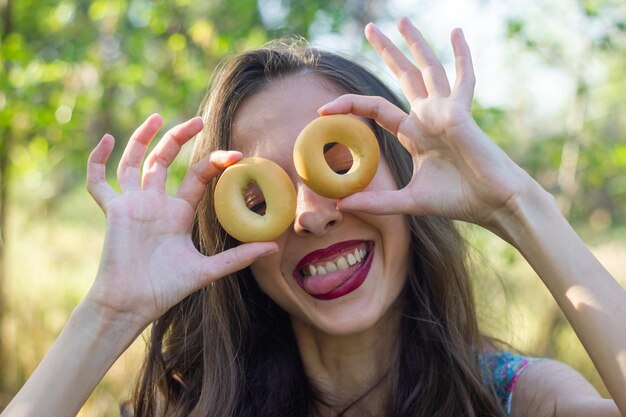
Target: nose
{"points": [[315, 215]]}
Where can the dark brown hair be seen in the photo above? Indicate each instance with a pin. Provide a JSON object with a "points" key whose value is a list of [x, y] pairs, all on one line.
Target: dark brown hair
{"points": [[229, 350]]}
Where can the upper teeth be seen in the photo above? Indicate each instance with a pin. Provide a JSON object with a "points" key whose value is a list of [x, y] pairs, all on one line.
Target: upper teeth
{"points": [[341, 263]]}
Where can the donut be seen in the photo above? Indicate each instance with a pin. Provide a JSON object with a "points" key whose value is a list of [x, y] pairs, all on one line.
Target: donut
{"points": [[278, 191], [308, 155]]}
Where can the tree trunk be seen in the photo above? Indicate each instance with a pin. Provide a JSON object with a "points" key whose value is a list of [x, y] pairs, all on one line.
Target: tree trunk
{"points": [[5, 142], [4, 149], [568, 168]]}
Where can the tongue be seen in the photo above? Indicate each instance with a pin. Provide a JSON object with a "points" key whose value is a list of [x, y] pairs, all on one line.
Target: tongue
{"points": [[323, 284]]}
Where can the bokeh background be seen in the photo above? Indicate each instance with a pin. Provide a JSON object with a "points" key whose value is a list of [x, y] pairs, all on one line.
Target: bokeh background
{"points": [[551, 87]]}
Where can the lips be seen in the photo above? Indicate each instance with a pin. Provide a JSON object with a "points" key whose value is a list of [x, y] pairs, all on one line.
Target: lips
{"points": [[335, 271]]}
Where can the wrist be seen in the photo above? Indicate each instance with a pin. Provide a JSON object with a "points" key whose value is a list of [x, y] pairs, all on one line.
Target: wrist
{"points": [[525, 215], [106, 324]]}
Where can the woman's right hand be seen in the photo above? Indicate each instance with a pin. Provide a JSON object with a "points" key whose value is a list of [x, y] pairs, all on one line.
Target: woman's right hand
{"points": [[149, 262]]}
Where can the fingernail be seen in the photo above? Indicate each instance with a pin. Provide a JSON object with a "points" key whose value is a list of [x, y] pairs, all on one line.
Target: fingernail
{"points": [[197, 119], [155, 118], [225, 158]]}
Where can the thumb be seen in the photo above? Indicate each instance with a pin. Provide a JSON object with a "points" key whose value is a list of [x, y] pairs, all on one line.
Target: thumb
{"points": [[232, 260]]}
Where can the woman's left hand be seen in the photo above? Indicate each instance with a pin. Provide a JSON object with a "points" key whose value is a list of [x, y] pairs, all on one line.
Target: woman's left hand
{"points": [[459, 172]]}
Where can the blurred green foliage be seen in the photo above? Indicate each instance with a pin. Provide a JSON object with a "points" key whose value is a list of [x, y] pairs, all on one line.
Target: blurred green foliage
{"points": [[75, 69], [581, 161]]}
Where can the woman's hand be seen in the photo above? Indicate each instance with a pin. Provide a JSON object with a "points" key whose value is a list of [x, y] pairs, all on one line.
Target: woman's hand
{"points": [[149, 262], [459, 172]]}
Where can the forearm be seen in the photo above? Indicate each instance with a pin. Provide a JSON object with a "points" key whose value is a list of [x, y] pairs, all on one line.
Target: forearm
{"points": [[87, 347], [591, 299]]}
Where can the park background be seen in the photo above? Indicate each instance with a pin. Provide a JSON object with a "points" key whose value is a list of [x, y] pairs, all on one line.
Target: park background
{"points": [[551, 88]]}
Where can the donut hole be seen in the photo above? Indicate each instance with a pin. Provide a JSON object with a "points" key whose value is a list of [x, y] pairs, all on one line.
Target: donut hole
{"points": [[338, 157], [254, 199]]}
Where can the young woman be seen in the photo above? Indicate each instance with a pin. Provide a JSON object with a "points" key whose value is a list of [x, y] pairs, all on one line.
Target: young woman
{"points": [[238, 331]]}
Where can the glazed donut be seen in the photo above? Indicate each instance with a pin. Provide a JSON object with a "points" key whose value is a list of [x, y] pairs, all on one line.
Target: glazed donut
{"points": [[308, 155], [278, 191]]}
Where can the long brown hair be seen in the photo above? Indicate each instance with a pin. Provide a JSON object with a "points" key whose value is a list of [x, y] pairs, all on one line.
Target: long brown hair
{"points": [[229, 350]]}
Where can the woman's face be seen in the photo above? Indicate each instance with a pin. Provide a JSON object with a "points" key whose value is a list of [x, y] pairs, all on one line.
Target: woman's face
{"points": [[322, 238]]}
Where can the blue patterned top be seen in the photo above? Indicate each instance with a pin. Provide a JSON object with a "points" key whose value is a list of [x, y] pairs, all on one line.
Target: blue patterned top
{"points": [[503, 369]]}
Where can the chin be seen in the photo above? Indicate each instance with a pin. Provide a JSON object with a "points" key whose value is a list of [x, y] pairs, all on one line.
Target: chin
{"points": [[350, 318]]}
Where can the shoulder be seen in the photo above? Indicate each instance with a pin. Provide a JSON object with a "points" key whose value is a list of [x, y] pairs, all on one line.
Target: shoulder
{"points": [[126, 409], [550, 388], [501, 370]]}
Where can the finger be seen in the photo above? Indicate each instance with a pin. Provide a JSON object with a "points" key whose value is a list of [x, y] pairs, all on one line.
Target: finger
{"points": [[164, 153], [97, 184], [408, 75], [129, 169], [433, 73], [198, 176], [232, 260], [465, 78], [382, 111], [379, 202]]}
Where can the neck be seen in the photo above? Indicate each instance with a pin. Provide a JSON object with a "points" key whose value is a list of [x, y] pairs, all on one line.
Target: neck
{"points": [[349, 371]]}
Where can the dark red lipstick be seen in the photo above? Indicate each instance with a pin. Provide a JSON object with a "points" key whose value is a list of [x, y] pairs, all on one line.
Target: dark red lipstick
{"points": [[335, 271]]}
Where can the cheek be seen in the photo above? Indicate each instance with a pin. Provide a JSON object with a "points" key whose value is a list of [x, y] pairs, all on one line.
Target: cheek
{"points": [[396, 239], [383, 180], [272, 281], [275, 284], [262, 271], [400, 241]]}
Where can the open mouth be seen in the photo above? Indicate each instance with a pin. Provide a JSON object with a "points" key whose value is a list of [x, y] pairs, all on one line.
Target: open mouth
{"points": [[335, 271]]}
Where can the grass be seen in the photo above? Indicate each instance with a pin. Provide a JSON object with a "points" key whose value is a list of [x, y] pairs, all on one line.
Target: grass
{"points": [[53, 256]]}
